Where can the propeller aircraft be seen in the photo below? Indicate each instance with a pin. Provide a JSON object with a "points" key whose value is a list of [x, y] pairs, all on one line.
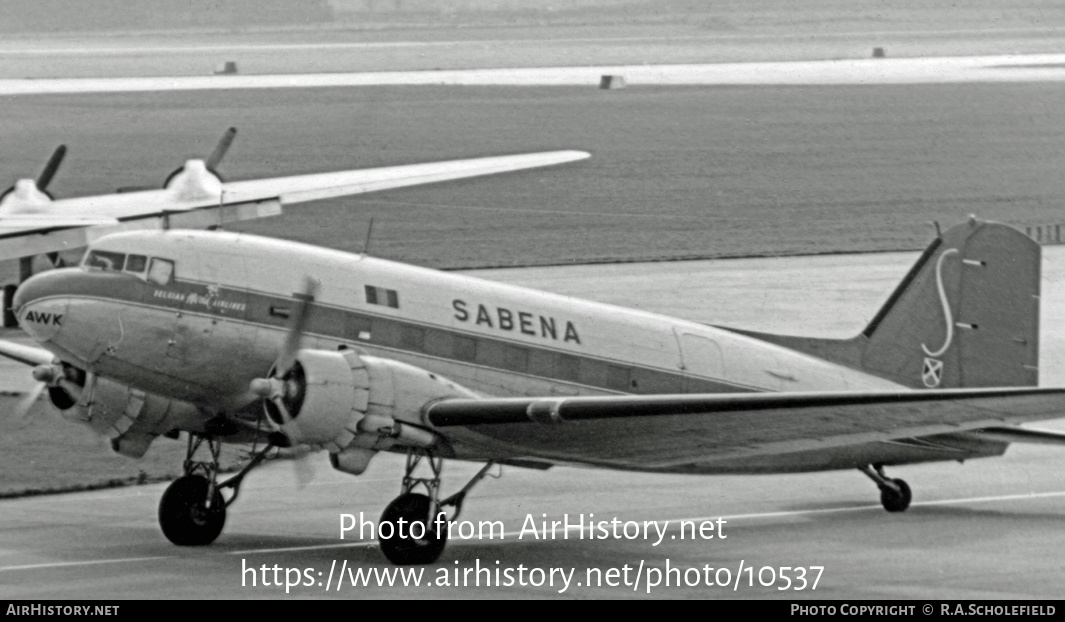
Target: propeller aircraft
{"points": [[232, 338]]}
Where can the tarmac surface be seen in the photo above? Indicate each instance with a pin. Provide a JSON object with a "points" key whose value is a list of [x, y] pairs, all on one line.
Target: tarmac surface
{"points": [[987, 529], [1005, 68]]}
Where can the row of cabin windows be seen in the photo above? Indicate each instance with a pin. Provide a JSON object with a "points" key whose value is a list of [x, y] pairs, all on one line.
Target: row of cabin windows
{"points": [[152, 269], [445, 344], [496, 354]]}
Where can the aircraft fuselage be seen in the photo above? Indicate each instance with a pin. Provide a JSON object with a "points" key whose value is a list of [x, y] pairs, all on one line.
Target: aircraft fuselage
{"points": [[196, 316]]}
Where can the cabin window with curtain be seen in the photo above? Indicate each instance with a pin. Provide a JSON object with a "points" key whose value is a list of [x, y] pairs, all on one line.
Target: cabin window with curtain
{"points": [[567, 367], [465, 348], [617, 378], [516, 359], [412, 338]]}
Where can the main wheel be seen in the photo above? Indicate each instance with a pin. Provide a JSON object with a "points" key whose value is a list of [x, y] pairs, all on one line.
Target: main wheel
{"points": [[184, 516], [411, 541], [896, 501]]}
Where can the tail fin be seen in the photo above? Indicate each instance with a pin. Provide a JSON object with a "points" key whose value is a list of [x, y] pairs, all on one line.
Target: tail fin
{"points": [[966, 315]]}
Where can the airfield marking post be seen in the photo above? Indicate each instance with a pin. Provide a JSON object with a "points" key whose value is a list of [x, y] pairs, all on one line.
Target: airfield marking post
{"points": [[227, 68]]}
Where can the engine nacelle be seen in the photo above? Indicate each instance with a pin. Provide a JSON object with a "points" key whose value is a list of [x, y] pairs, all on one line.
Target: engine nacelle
{"points": [[129, 417], [24, 198], [194, 182], [345, 400]]}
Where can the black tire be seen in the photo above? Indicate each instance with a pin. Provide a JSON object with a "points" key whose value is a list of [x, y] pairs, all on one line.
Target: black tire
{"points": [[896, 501], [183, 515], [413, 508]]}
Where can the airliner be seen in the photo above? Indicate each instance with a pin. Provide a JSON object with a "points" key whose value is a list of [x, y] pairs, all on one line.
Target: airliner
{"points": [[225, 338]]}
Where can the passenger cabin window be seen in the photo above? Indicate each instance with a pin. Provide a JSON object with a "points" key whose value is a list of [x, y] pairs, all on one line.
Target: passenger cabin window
{"points": [[161, 271], [105, 260]]}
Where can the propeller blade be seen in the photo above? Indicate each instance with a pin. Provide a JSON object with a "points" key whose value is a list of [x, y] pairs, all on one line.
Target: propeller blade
{"points": [[20, 414], [297, 323], [219, 152], [299, 453], [51, 167], [285, 383], [303, 467], [301, 464]]}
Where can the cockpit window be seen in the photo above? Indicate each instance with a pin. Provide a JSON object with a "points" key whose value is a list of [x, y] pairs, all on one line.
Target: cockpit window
{"points": [[136, 263], [105, 260], [161, 271]]}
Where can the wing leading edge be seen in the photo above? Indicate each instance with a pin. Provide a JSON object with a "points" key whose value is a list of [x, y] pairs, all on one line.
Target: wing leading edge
{"points": [[199, 200], [659, 431]]}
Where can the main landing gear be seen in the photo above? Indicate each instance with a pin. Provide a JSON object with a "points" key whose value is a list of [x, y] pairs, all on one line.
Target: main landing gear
{"points": [[894, 493], [414, 527], [192, 511]]}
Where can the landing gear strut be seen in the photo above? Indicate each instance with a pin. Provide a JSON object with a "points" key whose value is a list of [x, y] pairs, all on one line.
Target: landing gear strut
{"points": [[192, 511], [414, 527], [895, 494]]}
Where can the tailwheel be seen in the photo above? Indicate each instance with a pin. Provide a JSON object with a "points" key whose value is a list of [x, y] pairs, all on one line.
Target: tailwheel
{"points": [[186, 517], [415, 539], [896, 499], [895, 494]]}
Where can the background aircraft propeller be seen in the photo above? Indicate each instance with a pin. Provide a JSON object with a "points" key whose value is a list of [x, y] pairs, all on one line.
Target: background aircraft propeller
{"points": [[220, 150], [212, 161], [50, 168], [47, 173]]}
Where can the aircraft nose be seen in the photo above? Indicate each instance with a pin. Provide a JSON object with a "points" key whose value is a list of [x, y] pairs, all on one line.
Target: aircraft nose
{"points": [[33, 288]]}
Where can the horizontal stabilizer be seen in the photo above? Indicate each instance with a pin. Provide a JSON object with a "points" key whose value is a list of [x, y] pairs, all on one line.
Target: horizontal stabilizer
{"points": [[1019, 435]]}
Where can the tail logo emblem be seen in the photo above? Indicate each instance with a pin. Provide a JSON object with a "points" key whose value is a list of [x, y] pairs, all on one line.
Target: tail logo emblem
{"points": [[932, 374], [947, 316]]}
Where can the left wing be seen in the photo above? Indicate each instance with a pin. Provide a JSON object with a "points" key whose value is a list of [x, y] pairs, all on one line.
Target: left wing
{"points": [[659, 431], [31, 223]]}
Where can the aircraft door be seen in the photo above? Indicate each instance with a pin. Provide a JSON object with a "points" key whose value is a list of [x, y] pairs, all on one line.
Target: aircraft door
{"points": [[700, 356]]}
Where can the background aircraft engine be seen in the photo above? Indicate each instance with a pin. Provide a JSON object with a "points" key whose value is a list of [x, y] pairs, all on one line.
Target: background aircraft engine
{"points": [[199, 179], [353, 404]]}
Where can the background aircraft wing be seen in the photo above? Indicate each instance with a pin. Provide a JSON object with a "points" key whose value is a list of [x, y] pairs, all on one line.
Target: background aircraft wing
{"points": [[328, 185], [195, 198], [668, 430]]}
